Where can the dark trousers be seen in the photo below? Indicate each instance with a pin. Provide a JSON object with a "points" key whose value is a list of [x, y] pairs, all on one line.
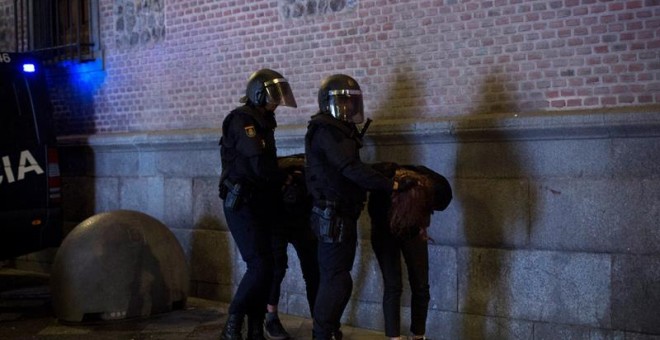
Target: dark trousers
{"points": [[336, 284], [306, 248], [388, 250], [251, 232]]}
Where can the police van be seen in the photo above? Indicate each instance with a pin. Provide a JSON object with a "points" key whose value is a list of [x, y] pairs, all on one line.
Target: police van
{"points": [[30, 211]]}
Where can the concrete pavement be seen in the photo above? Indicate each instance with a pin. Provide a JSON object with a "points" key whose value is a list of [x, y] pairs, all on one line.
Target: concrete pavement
{"points": [[26, 313]]}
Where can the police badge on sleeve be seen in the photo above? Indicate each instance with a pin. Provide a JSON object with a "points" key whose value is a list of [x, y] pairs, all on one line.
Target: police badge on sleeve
{"points": [[250, 131]]}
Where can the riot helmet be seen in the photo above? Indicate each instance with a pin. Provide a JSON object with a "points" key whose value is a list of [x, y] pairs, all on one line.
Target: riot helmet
{"points": [[268, 87], [340, 96]]}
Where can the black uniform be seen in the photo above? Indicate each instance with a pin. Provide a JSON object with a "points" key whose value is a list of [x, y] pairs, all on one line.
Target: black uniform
{"points": [[338, 181], [293, 227], [250, 188]]}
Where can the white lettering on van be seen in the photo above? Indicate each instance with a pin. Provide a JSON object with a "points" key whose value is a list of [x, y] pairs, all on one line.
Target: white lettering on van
{"points": [[5, 58], [8, 172], [26, 164]]}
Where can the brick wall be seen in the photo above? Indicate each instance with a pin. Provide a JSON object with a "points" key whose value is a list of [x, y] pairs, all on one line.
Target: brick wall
{"points": [[7, 35], [553, 229], [413, 58]]}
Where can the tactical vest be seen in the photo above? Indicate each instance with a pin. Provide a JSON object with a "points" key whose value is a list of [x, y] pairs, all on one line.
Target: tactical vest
{"points": [[325, 182]]}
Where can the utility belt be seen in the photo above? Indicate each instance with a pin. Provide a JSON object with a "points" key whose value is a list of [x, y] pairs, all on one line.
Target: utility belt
{"points": [[234, 195], [329, 224]]}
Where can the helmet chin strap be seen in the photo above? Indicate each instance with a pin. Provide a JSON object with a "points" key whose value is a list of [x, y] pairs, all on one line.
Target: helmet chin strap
{"points": [[270, 106]]}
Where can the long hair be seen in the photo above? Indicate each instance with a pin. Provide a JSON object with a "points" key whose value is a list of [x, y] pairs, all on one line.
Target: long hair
{"points": [[411, 209]]}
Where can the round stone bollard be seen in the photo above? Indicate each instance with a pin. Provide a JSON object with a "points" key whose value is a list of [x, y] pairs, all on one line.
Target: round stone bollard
{"points": [[118, 265]]}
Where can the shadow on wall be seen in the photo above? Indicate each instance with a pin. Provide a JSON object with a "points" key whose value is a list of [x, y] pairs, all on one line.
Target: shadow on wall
{"points": [[77, 166], [405, 153], [492, 191], [404, 88], [72, 88], [212, 259]]}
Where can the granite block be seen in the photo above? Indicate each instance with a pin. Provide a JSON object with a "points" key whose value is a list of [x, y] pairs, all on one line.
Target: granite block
{"points": [[613, 216], [144, 194], [442, 278], [636, 293], [552, 331], [557, 287], [480, 327], [179, 163], [212, 257], [491, 213], [206, 205], [178, 202]]}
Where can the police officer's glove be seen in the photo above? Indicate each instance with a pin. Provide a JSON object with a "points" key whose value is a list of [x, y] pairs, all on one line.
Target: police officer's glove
{"points": [[386, 168], [406, 183]]}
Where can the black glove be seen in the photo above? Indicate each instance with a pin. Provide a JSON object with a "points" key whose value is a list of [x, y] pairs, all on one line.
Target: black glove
{"points": [[406, 183], [386, 168]]}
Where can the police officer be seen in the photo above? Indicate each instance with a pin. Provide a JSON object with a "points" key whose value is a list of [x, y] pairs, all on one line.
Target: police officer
{"points": [[338, 181], [250, 188]]}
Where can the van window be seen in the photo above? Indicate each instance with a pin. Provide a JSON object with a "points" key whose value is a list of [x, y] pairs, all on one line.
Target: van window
{"points": [[17, 121]]}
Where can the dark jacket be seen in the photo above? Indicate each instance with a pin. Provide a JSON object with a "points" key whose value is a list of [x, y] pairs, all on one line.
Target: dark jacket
{"points": [[334, 170], [249, 155]]}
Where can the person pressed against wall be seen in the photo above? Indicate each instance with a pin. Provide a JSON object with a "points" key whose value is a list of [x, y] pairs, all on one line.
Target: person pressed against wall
{"points": [[338, 181], [250, 187], [399, 225]]}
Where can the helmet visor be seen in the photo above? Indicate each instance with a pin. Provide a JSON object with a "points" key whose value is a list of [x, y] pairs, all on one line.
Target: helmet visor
{"points": [[346, 105], [279, 92]]}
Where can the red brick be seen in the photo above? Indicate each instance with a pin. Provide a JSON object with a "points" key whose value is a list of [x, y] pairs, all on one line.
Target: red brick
{"points": [[610, 44], [558, 103]]}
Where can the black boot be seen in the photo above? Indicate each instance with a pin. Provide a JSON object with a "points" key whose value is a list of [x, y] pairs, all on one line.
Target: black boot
{"points": [[274, 328], [233, 327], [256, 327]]}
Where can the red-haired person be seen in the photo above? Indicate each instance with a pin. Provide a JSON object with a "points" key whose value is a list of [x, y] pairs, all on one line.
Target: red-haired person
{"points": [[399, 222]]}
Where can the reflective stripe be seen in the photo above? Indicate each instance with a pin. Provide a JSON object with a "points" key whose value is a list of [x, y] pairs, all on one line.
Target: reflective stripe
{"points": [[345, 92], [275, 81], [54, 180]]}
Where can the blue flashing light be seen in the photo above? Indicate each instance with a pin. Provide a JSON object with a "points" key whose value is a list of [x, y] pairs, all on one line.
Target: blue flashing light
{"points": [[29, 68]]}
